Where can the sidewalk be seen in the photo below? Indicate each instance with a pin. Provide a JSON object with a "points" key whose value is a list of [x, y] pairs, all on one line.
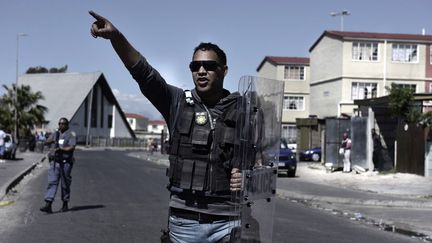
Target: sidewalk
{"points": [[13, 171], [396, 202]]}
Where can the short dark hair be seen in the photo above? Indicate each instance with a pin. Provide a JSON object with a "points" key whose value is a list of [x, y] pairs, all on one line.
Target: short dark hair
{"points": [[206, 46], [64, 119]]}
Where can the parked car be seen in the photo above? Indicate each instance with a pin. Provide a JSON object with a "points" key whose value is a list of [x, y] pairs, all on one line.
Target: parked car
{"points": [[10, 147], [287, 160], [313, 154]]}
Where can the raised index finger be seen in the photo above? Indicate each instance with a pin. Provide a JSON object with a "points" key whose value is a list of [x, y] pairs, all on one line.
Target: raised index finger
{"points": [[95, 15]]}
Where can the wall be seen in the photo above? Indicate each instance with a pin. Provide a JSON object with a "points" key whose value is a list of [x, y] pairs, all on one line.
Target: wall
{"points": [[325, 98], [268, 70], [326, 60], [120, 128]]}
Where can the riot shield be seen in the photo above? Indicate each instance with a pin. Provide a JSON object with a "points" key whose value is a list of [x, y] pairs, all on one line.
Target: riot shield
{"points": [[257, 154]]}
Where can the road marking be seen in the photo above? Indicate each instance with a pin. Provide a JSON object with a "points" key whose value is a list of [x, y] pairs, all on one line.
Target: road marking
{"points": [[5, 203]]}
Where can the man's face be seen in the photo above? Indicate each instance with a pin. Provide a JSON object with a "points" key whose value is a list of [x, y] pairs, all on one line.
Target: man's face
{"points": [[207, 72], [63, 125]]}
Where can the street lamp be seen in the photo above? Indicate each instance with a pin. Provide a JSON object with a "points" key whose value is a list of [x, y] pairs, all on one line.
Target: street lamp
{"points": [[342, 14], [16, 86]]}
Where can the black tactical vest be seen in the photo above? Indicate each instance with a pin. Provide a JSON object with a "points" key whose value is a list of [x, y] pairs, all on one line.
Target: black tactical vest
{"points": [[201, 148]]}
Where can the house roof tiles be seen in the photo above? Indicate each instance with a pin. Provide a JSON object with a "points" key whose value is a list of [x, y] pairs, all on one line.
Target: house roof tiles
{"points": [[275, 60], [370, 35]]}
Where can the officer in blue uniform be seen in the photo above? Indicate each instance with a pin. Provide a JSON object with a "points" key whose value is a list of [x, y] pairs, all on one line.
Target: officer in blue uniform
{"points": [[61, 160]]}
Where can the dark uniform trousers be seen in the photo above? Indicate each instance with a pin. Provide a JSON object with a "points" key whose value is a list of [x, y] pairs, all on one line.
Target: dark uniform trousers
{"points": [[56, 172]]}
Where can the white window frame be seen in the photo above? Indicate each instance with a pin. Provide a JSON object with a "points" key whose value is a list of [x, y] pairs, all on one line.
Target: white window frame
{"points": [[287, 102], [358, 90], [289, 132], [406, 85], [402, 53], [430, 54], [365, 51], [301, 69]]}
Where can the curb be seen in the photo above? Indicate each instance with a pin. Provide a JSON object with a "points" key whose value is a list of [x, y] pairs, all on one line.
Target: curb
{"points": [[4, 190], [352, 201]]}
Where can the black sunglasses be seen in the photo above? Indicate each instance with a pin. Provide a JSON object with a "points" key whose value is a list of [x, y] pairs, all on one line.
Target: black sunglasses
{"points": [[63, 123], [207, 65]]}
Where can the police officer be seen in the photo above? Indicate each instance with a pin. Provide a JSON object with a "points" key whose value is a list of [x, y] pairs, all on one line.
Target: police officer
{"points": [[201, 122], [62, 143]]}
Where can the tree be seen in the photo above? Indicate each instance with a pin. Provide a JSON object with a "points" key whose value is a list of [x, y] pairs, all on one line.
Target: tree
{"points": [[401, 103], [29, 112], [40, 69]]}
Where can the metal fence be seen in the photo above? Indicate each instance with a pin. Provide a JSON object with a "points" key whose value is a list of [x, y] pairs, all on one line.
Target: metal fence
{"points": [[117, 142]]}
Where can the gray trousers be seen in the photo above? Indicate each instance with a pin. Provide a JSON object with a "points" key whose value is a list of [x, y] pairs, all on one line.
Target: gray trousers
{"points": [[347, 160], [57, 172]]}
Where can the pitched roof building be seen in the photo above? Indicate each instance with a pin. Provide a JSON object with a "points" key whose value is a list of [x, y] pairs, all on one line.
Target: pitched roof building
{"points": [[347, 66], [294, 71], [85, 99]]}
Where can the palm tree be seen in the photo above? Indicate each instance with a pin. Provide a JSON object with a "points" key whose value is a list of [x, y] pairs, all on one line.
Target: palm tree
{"points": [[29, 112]]}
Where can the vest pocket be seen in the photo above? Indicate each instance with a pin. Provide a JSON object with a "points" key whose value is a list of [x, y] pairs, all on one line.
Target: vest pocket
{"points": [[199, 175], [185, 123], [186, 174], [200, 136]]}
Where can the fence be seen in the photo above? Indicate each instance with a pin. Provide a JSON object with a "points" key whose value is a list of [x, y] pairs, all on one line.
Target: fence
{"points": [[117, 142]]}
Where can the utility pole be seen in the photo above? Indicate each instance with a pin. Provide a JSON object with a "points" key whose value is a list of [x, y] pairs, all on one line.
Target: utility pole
{"points": [[16, 86], [341, 14]]}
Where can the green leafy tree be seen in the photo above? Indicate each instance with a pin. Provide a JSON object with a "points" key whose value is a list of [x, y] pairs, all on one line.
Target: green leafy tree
{"points": [[29, 112], [40, 69], [401, 103], [37, 69], [400, 100]]}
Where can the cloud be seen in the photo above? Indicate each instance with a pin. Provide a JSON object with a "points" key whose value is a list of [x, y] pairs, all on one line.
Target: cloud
{"points": [[136, 103]]}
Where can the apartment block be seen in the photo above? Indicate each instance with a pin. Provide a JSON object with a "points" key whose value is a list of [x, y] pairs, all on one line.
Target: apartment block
{"points": [[295, 72], [348, 66]]}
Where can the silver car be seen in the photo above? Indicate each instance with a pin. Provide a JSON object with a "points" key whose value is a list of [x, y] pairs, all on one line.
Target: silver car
{"points": [[10, 147]]}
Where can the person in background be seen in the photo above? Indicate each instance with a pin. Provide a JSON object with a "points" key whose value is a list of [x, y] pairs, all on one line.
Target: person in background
{"points": [[61, 161], [377, 147], [346, 146]]}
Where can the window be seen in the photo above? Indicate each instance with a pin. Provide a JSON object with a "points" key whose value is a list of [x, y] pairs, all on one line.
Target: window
{"points": [[294, 72], [365, 51], [412, 87], [93, 118], [102, 111], [85, 111], [430, 54], [289, 132], [360, 91], [110, 121], [293, 103], [405, 53]]}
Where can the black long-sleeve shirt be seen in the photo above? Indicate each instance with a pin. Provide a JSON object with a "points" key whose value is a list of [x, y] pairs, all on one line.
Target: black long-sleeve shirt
{"points": [[166, 98]]}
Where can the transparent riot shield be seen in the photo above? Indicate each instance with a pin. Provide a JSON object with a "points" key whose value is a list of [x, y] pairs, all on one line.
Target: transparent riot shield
{"points": [[257, 154]]}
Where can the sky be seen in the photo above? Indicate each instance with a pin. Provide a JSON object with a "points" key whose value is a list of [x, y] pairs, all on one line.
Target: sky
{"points": [[166, 32]]}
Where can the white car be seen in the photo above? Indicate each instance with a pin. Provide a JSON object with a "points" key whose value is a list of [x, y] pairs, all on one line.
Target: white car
{"points": [[10, 147]]}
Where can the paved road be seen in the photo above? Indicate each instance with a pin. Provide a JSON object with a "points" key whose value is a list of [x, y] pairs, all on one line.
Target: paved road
{"points": [[114, 199], [122, 199]]}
